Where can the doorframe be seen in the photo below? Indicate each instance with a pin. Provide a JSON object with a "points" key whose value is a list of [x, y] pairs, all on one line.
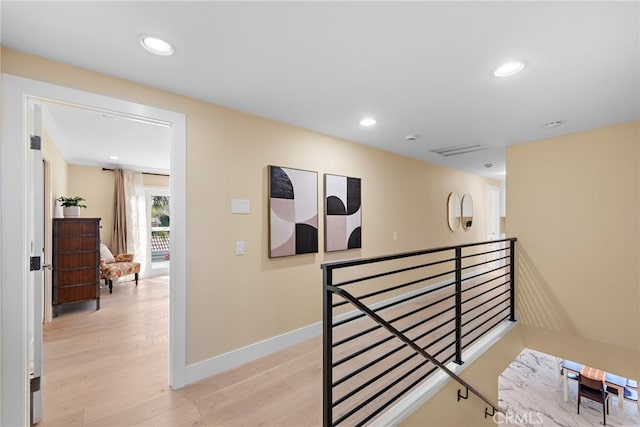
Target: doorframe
{"points": [[492, 205], [47, 312], [14, 222]]}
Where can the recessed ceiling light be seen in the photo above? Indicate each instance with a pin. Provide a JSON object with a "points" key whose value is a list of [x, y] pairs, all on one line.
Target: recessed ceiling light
{"points": [[156, 45], [368, 121], [508, 69], [114, 157]]}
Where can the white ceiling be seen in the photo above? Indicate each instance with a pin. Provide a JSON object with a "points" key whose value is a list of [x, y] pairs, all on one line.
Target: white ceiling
{"points": [[422, 68], [88, 137]]}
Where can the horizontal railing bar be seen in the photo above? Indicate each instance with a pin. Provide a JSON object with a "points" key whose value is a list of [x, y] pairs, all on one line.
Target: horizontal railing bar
{"points": [[404, 285], [361, 351], [483, 273], [354, 336], [475, 254], [485, 302], [379, 376], [340, 303], [402, 392], [486, 311], [408, 341], [374, 345], [379, 393], [362, 261], [355, 317], [422, 322], [395, 350], [396, 287], [486, 281], [483, 293], [384, 390], [389, 273], [424, 334], [367, 366], [487, 261], [467, 267], [488, 329]]}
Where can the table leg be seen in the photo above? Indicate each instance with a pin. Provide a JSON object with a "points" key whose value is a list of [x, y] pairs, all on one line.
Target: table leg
{"points": [[621, 403], [566, 386]]}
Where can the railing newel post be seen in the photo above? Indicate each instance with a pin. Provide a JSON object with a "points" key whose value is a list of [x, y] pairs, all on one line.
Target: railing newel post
{"points": [[512, 279], [327, 345], [458, 302]]}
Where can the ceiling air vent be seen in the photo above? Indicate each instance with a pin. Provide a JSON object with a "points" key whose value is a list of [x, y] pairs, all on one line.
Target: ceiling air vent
{"points": [[460, 149]]}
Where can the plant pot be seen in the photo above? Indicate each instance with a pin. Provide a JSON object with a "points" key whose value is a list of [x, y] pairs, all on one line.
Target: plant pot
{"points": [[71, 211]]}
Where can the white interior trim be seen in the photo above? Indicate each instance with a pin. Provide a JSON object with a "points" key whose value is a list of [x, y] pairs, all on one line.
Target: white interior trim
{"points": [[14, 248]]}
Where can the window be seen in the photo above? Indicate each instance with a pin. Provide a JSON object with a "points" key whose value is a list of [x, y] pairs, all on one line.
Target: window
{"points": [[160, 227]]}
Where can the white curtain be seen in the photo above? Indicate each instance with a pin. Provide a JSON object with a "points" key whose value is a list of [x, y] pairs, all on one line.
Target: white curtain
{"points": [[136, 211]]}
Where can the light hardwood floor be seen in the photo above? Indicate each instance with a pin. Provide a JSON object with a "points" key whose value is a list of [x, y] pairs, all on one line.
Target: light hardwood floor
{"points": [[109, 368]]}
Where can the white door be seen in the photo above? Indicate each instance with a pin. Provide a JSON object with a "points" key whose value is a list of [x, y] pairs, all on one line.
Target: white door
{"points": [[492, 204], [35, 288]]}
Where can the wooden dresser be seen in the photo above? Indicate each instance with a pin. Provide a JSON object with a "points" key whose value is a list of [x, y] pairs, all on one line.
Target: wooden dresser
{"points": [[76, 261]]}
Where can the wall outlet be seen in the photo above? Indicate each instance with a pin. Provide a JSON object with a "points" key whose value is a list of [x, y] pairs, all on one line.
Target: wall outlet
{"points": [[395, 236]]}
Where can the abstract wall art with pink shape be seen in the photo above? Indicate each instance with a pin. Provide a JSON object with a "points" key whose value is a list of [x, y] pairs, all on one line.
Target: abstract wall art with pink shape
{"points": [[293, 211]]}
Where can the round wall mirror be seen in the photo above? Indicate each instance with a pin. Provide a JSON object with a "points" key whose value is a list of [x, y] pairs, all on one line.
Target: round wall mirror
{"points": [[453, 211], [467, 211]]}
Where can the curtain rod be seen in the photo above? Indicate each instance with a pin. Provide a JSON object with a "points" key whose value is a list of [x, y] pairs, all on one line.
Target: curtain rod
{"points": [[144, 173]]}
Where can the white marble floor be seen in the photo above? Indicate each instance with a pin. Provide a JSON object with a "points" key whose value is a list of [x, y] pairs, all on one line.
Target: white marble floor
{"points": [[532, 394]]}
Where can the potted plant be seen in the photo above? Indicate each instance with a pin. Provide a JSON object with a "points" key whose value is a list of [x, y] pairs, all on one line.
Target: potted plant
{"points": [[71, 206]]}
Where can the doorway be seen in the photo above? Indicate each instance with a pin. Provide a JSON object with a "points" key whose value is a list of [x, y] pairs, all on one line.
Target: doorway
{"points": [[492, 216], [17, 222]]}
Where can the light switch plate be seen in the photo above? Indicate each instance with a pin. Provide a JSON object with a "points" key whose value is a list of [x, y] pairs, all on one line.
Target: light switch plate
{"points": [[239, 247], [240, 206]]}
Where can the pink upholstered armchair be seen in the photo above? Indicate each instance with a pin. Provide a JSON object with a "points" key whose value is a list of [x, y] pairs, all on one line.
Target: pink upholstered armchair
{"points": [[116, 265]]}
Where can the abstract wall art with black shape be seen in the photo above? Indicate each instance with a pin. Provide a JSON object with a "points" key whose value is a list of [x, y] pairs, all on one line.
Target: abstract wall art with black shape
{"points": [[343, 213], [293, 211]]}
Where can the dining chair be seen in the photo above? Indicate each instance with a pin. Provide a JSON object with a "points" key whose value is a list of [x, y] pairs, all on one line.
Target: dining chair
{"points": [[594, 390]]}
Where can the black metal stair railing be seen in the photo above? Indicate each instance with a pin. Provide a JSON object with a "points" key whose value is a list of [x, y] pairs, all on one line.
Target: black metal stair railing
{"points": [[414, 313]]}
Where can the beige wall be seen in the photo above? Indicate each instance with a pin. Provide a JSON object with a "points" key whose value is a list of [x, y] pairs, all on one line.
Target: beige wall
{"points": [[58, 170], [572, 201], [443, 409], [227, 157], [97, 188]]}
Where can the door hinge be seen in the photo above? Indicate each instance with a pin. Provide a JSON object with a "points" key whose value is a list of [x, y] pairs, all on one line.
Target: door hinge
{"points": [[35, 142], [35, 384], [34, 263]]}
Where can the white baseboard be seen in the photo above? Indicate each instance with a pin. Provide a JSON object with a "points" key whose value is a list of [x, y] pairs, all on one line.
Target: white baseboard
{"points": [[234, 358], [226, 361]]}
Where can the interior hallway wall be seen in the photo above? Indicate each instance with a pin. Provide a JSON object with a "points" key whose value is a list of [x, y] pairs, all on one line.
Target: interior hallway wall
{"points": [[573, 203]]}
